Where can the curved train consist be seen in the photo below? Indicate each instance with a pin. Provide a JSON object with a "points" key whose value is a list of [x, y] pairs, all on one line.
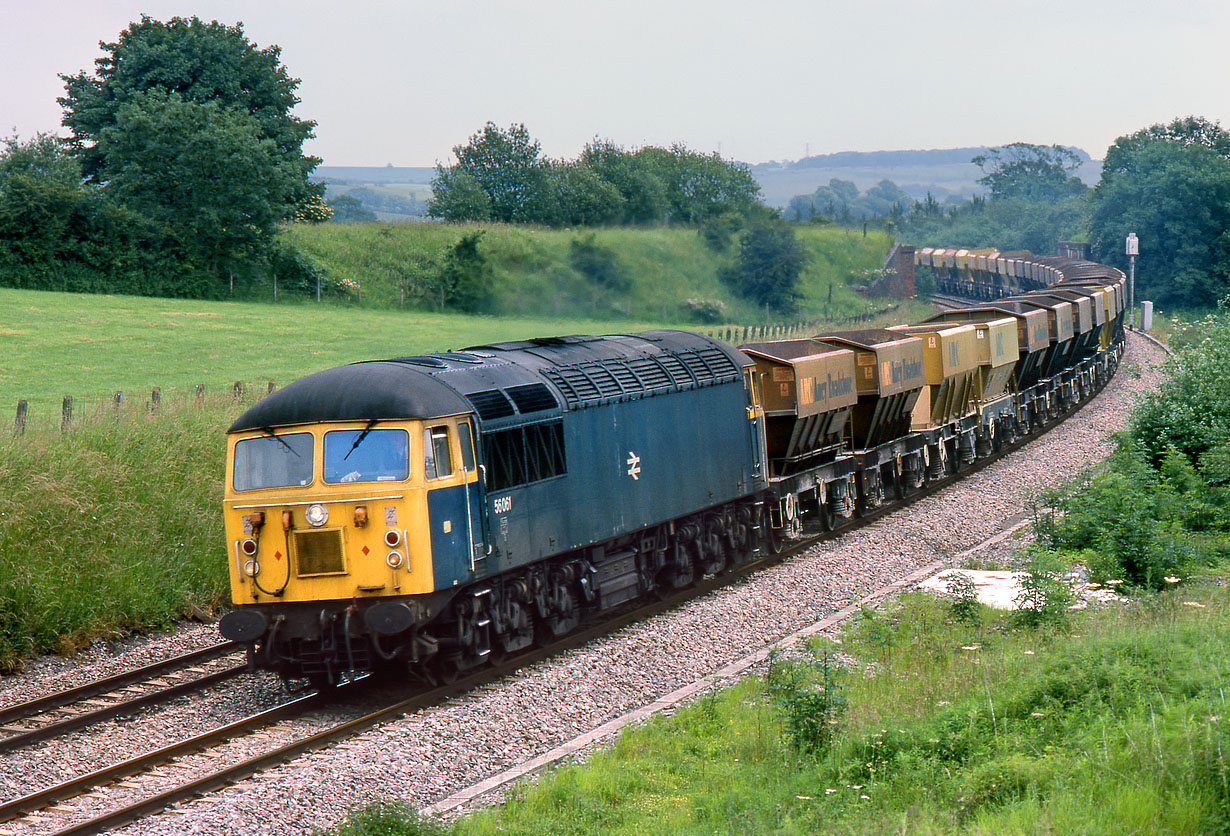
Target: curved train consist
{"points": [[431, 511]]}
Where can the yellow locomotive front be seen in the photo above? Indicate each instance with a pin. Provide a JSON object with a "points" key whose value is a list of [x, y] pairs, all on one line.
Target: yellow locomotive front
{"points": [[345, 535]]}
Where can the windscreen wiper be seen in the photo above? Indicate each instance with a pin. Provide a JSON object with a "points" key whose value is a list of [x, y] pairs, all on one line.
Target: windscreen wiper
{"points": [[279, 440], [362, 436]]}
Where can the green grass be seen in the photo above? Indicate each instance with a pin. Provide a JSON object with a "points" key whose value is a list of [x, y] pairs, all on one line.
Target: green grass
{"points": [[111, 528], [58, 344], [1113, 726], [533, 277]]}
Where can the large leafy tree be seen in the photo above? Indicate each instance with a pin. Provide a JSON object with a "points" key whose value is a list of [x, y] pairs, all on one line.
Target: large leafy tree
{"points": [[202, 62], [1032, 172], [700, 186], [204, 174], [643, 194], [191, 123], [505, 165], [1170, 184]]}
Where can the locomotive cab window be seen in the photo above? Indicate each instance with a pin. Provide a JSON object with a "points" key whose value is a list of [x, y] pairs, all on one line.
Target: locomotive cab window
{"points": [[437, 457], [275, 461], [465, 435], [366, 455]]}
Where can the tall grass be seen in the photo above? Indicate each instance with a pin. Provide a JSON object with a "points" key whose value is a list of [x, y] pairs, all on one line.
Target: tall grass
{"points": [[111, 527], [1112, 726]]}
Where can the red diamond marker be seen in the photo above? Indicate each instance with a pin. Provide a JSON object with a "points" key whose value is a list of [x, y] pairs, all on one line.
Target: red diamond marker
{"points": [[277, 555], [366, 550]]}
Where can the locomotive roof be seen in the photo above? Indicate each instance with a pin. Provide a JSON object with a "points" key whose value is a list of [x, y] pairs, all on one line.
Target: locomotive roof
{"points": [[503, 383]]}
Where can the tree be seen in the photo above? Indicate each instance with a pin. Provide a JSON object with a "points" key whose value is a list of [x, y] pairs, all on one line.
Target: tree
{"points": [[57, 233], [457, 196], [203, 173], [700, 186], [504, 165], [585, 199], [1034, 172], [350, 210], [769, 265], [201, 62], [643, 193], [190, 124], [1170, 184]]}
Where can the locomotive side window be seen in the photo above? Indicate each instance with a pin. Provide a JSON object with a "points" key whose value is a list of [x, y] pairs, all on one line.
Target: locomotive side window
{"points": [[276, 461], [437, 458], [504, 454], [522, 455], [544, 447], [366, 455]]}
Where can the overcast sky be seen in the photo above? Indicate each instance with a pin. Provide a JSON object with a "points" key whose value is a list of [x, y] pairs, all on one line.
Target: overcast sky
{"points": [[402, 82]]}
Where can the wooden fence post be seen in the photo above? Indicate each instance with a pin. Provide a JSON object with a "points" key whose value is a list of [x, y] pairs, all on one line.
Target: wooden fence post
{"points": [[119, 402], [155, 399], [19, 423], [199, 393], [66, 412], [272, 387], [238, 389]]}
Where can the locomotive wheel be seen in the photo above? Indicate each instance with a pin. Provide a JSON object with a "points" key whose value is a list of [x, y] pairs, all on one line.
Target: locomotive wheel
{"points": [[445, 668], [776, 539], [520, 633]]}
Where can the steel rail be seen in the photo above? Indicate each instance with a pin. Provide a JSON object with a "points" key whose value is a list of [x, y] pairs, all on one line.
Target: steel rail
{"points": [[113, 683], [87, 718], [75, 786]]}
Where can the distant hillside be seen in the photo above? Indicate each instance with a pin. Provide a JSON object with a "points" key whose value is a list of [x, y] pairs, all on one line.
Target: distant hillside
{"points": [[373, 175], [945, 173]]}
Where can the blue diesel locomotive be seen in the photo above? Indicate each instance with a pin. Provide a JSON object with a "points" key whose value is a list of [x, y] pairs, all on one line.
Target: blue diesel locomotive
{"points": [[432, 511], [444, 507]]}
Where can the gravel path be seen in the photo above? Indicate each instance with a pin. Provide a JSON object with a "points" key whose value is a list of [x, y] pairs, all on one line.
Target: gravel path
{"points": [[430, 754]]}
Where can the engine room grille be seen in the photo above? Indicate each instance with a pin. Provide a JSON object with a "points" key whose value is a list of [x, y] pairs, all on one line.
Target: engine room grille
{"points": [[319, 553], [534, 397], [584, 384], [490, 404]]}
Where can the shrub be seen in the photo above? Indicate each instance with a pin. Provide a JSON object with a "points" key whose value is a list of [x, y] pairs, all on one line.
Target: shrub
{"points": [[1045, 596], [810, 698], [964, 597]]}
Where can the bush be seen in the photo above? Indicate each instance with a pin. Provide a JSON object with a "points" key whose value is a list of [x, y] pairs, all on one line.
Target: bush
{"points": [[810, 699], [597, 263], [1045, 596], [964, 597]]}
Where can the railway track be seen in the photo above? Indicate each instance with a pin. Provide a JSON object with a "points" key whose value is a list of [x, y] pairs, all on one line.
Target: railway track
{"points": [[949, 303], [84, 705], [58, 799]]}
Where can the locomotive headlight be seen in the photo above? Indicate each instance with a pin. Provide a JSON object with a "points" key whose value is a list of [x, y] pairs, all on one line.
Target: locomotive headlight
{"points": [[392, 538], [360, 516], [393, 559], [248, 546], [316, 515], [250, 568]]}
